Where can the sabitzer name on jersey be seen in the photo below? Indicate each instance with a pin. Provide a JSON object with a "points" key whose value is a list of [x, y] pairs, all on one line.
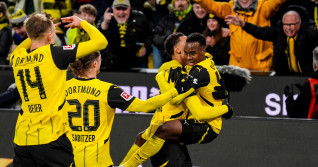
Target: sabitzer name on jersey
{"points": [[83, 138], [29, 59], [83, 89]]}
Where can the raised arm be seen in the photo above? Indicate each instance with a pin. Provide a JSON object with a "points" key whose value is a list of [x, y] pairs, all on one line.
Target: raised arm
{"points": [[264, 33], [97, 40], [220, 9]]}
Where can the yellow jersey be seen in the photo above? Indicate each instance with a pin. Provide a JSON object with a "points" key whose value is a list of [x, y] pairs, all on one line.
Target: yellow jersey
{"points": [[167, 112], [90, 106], [40, 77], [205, 93]]}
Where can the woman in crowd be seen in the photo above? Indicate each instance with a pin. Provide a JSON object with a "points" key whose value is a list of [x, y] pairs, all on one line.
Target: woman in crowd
{"points": [[217, 40]]}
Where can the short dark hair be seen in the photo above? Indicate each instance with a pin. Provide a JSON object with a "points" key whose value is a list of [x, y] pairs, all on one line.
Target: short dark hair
{"points": [[171, 41], [196, 37]]}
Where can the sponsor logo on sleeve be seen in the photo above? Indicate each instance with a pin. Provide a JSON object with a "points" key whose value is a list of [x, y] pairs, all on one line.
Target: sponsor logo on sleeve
{"points": [[126, 96], [69, 47]]}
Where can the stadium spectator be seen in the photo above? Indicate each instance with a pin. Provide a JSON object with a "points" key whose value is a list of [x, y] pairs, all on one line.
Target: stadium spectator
{"points": [[19, 30], [39, 68], [5, 33], [20, 33], [305, 106], [247, 51], [104, 98], [310, 5], [294, 38], [217, 40], [166, 26], [86, 12], [190, 130], [196, 22], [130, 33], [57, 9]]}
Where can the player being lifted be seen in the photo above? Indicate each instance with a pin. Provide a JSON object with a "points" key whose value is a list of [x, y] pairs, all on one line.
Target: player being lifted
{"points": [[206, 105], [39, 69], [91, 105]]}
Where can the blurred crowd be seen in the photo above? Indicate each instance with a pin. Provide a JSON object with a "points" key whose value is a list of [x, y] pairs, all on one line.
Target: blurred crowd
{"points": [[272, 36]]}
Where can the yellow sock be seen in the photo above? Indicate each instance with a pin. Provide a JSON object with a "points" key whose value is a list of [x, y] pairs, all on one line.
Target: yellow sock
{"points": [[150, 148], [132, 150]]}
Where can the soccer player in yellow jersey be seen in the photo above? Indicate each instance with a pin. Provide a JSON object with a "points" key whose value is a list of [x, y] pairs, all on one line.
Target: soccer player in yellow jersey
{"points": [[91, 104], [185, 131], [39, 69]]}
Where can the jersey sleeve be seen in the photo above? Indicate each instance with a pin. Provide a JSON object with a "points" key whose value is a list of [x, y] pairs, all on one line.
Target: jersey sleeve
{"points": [[200, 75], [63, 55], [118, 98]]}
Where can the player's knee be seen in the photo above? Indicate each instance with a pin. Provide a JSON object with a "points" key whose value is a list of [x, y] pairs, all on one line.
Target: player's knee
{"points": [[164, 130]]}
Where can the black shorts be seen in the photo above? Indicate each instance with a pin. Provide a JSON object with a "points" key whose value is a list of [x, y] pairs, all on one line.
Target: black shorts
{"points": [[172, 154], [58, 153], [196, 132]]}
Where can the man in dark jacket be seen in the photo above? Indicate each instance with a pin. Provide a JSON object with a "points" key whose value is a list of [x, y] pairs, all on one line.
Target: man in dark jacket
{"points": [[196, 22], [294, 38], [305, 106], [170, 23], [130, 34]]}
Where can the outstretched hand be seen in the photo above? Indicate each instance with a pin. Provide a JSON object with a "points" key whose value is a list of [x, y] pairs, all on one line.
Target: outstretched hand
{"points": [[74, 22], [235, 20], [56, 24]]}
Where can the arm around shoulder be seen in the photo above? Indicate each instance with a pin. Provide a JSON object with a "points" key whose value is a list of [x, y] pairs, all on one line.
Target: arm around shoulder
{"points": [[152, 103], [201, 112]]}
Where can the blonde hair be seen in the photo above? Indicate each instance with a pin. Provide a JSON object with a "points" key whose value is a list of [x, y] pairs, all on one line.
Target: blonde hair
{"points": [[38, 24]]}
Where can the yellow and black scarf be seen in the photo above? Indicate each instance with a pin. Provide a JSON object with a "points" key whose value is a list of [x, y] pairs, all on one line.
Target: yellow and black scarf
{"points": [[122, 28], [293, 63], [182, 14]]}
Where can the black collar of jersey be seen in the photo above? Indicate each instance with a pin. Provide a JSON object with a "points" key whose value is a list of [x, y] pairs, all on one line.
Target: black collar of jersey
{"points": [[29, 51], [84, 79]]}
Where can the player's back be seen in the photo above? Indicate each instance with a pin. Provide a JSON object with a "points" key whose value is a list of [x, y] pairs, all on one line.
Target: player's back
{"points": [[90, 119], [41, 87], [169, 111]]}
